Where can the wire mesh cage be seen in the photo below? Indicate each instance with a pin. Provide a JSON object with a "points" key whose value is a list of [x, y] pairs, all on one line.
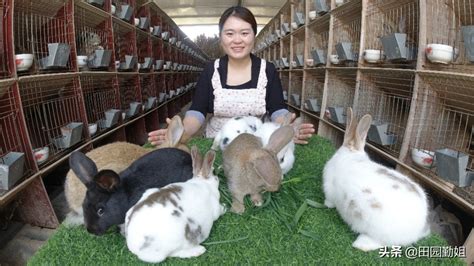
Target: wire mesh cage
{"points": [[143, 15], [43, 31], [94, 39], [317, 8], [313, 90], [286, 19], [285, 60], [296, 87], [450, 35], [155, 20], [318, 39], [6, 42], [346, 34], [285, 84], [442, 137], [15, 151], [157, 54], [160, 87], [105, 5], [298, 14], [144, 52], [391, 33], [54, 112], [136, 132], [339, 3], [340, 94], [148, 91], [101, 100], [385, 95], [130, 96], [124, 10], [298, 50], [125, 47]]}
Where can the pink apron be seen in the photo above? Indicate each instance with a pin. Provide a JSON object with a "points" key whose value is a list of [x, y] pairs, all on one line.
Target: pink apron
{"points": [[229, 103]]}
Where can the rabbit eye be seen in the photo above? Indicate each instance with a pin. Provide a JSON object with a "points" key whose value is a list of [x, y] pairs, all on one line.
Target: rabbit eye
{"points": [[238, 131], [282, 160], [225, 141], [100, 212]]}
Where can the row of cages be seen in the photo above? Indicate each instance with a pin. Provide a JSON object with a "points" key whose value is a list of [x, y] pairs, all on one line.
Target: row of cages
{"points": [[42, 119], [372, 33], [43, 37], [435, 121]]}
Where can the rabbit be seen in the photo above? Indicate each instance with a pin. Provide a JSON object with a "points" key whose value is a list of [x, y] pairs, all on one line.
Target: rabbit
{"points": [[370, 197], [251, 167], [110, 195], [115, 156], [286, 156], [234, 127], [172, 221]]}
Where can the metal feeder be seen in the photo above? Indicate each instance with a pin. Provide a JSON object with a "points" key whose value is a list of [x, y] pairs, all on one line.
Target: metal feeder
{"points": [[321, 7], [71, 134], [285, 28], [299, 60], [58, 56], [319, 56], [468, 36], [162, 97], [173, 40], [175, 66], [312, 105], [11, 169], [344, 51], [295, 98], [144, 23], [159, 64], [285, 96], [150, 102], [111, 118], [129, 64], [451, 166], [135, 108], [284, 62], [394, 46], [165, 35], [126, 12], [378, 133], [100, 59], [299, 18], [147, 63], [156, 31], [337, 115], [97, 3]]}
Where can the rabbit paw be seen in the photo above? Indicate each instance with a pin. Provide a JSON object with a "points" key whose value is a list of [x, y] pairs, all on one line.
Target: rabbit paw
{"points": [[190, 252], [329, 204], [366, 243], [237, 207], [257, 199]]}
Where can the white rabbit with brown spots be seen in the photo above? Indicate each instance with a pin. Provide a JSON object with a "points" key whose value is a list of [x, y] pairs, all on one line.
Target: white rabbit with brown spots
{"points": [[384, 206], [174, 220]]}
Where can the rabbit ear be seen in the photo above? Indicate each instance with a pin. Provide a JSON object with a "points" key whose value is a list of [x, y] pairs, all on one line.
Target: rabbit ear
{"points": [[197, 160], [351, 125], [267, 169], [206, 168], [280, 138], [362, 129], [287, 118], [175, 131], [217, 140], [107, 180], [84, 168]]}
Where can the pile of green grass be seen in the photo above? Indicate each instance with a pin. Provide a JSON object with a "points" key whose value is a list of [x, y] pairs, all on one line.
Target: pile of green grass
{"points": [[291, 228]]}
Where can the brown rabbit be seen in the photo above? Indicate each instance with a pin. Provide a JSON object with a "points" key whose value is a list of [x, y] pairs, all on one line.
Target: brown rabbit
{"points": [[115, 156], [251, 168]]}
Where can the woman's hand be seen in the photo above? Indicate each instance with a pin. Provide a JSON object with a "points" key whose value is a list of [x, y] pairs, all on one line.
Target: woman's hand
{"points": [[302, 132], [157, 137]]}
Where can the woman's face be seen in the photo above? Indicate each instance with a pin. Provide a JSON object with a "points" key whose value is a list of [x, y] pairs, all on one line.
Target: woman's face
{"points": [[237, 38]]}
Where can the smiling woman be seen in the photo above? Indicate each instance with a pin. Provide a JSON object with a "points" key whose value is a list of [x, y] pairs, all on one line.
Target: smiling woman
{"points": [[237, 84]]}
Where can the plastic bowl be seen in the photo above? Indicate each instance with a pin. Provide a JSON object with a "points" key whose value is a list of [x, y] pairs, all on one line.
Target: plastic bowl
{"points": [[41, 154], [81, 61], [92, 128], [334, 59], [372, 55], [439, 53], [23, 61], [423, 158]]}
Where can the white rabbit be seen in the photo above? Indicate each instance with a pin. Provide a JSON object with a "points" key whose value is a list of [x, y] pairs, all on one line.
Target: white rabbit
{"points": [[172, 221], [286, 156], [384, 206], [234, 127]]}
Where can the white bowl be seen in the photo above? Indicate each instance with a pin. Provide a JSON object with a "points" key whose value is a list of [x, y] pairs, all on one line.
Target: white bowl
{"points": [[334, 59], [339, 2], [423, 158], [117, 64], [372, 55], [41, 154], [294, 25], [439, 53], [112, 9], [137, 22], [151, 29], [294, 64], [81, 61], [92, 128], [23, 61], [310, 62], [312, 14]]}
